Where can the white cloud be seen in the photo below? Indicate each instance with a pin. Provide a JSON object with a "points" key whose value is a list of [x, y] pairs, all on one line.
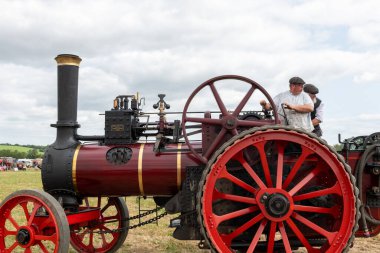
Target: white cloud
{"points": [[172, 47]]}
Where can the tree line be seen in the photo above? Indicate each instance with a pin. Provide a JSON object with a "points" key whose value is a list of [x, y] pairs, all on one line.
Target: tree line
{"points": [[35, 151], [39, 148], [30, 154]]}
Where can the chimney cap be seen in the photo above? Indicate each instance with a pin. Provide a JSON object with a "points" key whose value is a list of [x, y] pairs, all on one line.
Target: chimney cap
{"points": [[68, 59]]}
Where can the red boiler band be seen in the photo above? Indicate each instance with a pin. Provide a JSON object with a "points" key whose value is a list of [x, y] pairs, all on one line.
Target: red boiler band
{"points": [[146, 172]]}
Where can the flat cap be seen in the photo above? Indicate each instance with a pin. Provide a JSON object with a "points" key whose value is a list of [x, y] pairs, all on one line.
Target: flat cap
{"points": [[309, 88], [296, 80]]}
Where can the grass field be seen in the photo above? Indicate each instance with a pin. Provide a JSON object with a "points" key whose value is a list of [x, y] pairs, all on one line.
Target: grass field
{"points": [[151, 237]]}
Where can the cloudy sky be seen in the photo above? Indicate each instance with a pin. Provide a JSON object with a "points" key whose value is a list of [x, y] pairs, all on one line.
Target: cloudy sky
{"points": [[172, 47]]}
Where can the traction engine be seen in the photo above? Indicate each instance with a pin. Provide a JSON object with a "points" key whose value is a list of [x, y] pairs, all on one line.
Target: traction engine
{"points": [[246, 184]]}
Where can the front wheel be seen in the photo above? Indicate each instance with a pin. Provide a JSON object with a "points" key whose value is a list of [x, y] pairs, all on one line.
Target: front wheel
{"points": [[33, 221]]}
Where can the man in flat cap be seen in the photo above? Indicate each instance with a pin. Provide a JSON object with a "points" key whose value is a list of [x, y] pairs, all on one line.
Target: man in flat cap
{"points": [[293, 106], [317, 113]]}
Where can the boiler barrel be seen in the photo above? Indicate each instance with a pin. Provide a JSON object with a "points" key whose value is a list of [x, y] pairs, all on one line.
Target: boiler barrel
{"points": [[145, 173]]}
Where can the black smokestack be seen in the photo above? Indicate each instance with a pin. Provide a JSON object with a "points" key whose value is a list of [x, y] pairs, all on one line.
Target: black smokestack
{"points": [[68, 70]]}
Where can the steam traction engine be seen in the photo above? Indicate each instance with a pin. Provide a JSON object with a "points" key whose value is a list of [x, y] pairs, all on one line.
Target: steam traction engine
{"points": [[248, 185]]}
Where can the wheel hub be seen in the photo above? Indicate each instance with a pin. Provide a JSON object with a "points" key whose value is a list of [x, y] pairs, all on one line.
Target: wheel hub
{"points": [[229, 122], [277, 205], [23, 236]]}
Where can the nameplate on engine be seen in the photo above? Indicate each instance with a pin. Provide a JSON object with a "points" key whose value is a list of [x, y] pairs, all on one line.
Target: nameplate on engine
{"points": [[117, 127]]}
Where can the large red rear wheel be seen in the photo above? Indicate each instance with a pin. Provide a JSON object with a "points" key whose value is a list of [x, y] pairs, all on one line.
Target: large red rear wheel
{"points": [[276, 189], [33, 221], [106, 234]]}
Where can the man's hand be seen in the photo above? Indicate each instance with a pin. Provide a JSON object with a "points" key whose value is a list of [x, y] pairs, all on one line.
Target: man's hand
{"points": [[265, 105], [288, 106]]}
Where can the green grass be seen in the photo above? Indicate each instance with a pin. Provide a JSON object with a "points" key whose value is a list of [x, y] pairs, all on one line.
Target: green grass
{"points": [[11, 181], [148, 238]]}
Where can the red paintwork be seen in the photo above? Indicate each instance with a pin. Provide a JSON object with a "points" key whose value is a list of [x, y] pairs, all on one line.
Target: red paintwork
{"points": [[84, 215], [325, 168], [96, 176]]}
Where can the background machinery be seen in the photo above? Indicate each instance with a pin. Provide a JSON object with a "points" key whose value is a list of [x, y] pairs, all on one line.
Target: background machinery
{"points": [[247, 184]]}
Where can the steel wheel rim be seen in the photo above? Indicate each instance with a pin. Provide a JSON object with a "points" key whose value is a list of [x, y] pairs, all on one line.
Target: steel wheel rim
{"points": [[38, 228], [218, 170], [77, 239]]}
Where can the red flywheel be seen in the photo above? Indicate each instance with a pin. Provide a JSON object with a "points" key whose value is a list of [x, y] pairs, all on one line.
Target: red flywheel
{"points": [[276, 189]]}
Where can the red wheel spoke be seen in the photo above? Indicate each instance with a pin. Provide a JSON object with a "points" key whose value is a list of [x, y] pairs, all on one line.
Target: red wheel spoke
{"points": [[115, 217], [304, 181], [7, 232], [83, 234], [91, 242], [237, 181], [14, 245], [244, 101], [46, 222], [220, 218], [284, 236], [24, 206], [105, 228], [271, 238], [33, 214], [27, 250], [42, 247], [215, 143], [104, 241], [305, 153], [219, 101], [264, 162], [280, 164], [244, 227], [256, 238], [234, 132], [13, 221], [52, 237], [219, 195], [332, 190], [105, 207], [329, 235], [300, 236], [205, 120], [334, 211], [250, 171]]}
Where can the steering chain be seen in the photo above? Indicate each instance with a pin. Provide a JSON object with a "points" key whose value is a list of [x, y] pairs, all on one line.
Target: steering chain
{"points": [[128, 219]]}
